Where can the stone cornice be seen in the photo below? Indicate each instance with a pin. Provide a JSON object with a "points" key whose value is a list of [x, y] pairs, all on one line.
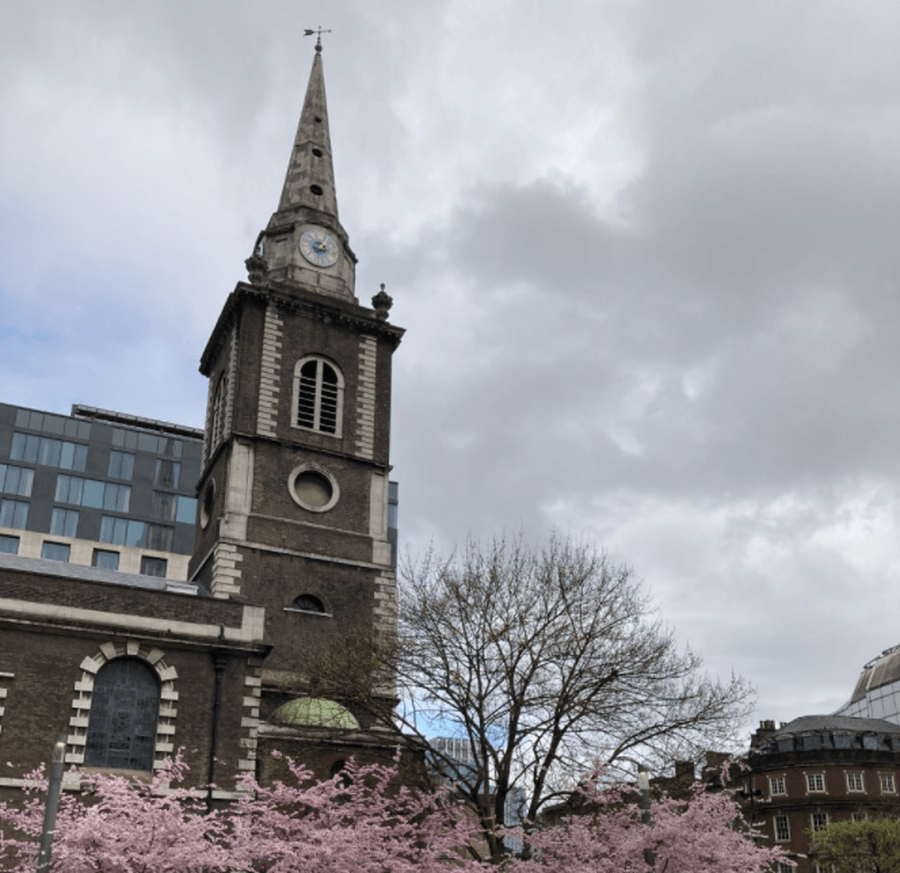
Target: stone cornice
{"points": [[295, 299]]}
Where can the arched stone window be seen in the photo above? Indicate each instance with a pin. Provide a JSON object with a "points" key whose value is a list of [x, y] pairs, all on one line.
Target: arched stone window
{"points": [[308, 603], [124, 713], [217, 423], [318, 396]]}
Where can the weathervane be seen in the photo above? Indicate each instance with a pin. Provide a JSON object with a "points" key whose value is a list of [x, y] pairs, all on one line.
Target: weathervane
{"points": [[318, 32]]}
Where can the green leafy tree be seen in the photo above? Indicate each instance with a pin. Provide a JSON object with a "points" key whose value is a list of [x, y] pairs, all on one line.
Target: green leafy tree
{"points": [[869, 846]]}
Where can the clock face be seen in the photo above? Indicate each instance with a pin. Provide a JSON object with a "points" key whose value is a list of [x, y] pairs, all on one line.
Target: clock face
{"points": [[319, 247]]}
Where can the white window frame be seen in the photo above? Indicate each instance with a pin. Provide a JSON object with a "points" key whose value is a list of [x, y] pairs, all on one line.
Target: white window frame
{"points": [[812, 821], [815, 783], [858, 779], [787, 823], [888, 784], [777, 785]]}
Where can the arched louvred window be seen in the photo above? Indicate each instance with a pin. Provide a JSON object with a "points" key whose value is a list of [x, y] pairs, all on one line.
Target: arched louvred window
{"points": [[308, 603], [124, 714], [217, 424], [318, 396]]}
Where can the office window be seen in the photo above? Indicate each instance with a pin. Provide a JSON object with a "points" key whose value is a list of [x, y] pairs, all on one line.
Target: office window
{"points": [[56, 424], [105, 559], [121, 465], [169, 446], [776, 785], [122, 531], [48, 452], [55, 552], [124, 713], [159, 538], [782, 828], [168, 473], [64, 522], [163, 505], [819, 820], [187, 510], [126, 439], [13, 513], [16, 480], [854, 782], [146, 442], [887, 783], [153, 566], [815, 782], [125, 532], [9, 545], [93, 493]]}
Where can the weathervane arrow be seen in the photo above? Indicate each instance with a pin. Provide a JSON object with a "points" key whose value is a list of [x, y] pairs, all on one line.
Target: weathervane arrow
{"points": [[318, 32]]}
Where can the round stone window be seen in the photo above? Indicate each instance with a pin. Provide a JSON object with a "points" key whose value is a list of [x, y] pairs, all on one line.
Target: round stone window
{"points": [[313, 488]]}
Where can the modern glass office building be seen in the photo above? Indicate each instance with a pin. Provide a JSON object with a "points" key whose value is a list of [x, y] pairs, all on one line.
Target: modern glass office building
{"points": [[877, 692], [98, 488]]}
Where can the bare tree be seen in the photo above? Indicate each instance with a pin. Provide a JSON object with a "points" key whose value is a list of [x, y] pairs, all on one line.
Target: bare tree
{"points": [[546, 660]]}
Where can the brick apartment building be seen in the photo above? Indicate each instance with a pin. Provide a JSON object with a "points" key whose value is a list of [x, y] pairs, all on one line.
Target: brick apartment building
{"points": [[817, 769]]}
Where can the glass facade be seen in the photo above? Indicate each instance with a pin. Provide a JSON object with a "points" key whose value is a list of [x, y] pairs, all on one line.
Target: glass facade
{"points": [[877, 692], [100, 477]]}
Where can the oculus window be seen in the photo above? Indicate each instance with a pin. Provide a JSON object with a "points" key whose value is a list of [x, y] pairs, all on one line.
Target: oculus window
{"points": [[318, 396], [124, 713], [313, 488]]}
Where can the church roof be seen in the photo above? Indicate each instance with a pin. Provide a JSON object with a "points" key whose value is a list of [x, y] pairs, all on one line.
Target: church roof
{"points": [[315, 712], [60, 569]]}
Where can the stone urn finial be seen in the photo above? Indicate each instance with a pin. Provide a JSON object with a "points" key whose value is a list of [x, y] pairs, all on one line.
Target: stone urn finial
{"points": [[256, 268], [382, 303]]}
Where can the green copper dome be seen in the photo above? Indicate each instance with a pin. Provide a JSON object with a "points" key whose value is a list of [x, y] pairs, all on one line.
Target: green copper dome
{"points": [[315, 712]]}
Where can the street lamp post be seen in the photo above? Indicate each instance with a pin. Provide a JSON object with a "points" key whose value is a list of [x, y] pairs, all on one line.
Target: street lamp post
{"points": [[53, 789], [646, 817]]}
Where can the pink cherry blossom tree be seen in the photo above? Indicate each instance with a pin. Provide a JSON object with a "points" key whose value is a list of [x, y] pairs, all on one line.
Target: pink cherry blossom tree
{"points": [[118, 825], [360, 822], [703, 832], [363, 821]]}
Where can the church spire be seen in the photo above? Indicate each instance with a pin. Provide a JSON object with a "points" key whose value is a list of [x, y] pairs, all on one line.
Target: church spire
{"points": [[304, 243], [310, 175]]}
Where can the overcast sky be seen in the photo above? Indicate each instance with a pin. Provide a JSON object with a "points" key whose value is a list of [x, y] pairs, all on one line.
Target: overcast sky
{"points": [[646, 252]]}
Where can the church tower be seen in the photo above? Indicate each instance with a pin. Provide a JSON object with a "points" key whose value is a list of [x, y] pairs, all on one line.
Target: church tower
{"points": [[293, 494]]}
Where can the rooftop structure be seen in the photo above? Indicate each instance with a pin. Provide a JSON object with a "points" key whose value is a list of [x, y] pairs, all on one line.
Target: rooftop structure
{"points": [[877, 691]]}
